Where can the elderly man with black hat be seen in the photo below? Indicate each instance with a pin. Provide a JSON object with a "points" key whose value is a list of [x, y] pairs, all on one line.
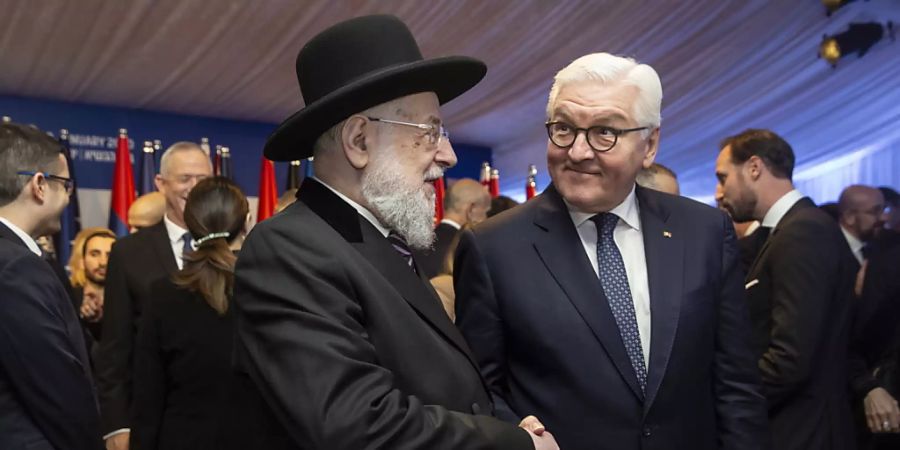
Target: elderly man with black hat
{"points": [[341, 342]]}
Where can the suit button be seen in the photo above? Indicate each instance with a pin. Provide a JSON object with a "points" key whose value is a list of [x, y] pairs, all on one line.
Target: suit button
{"points": [[476, 409], [647, 432]]}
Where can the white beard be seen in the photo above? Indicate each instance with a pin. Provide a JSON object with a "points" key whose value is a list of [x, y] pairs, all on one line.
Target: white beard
{"points": [[407, 210]]}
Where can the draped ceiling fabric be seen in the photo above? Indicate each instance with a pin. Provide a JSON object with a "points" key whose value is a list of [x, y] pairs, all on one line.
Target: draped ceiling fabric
{"points": [[725, 66]]}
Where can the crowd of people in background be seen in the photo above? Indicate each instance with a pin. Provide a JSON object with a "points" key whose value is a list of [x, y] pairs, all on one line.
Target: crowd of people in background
{"points": [[606, 313]]}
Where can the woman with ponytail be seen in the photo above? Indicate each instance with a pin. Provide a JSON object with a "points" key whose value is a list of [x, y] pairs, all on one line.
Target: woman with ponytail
{"points": [[183, 348]]}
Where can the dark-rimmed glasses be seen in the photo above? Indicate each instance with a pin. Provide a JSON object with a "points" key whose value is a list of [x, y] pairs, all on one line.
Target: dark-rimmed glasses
{"points": [[600, 138], [434, 132], [68, 183]]}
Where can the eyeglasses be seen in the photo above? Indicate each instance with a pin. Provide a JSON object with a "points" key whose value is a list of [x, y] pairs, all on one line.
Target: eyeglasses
{"points": [[68, 183], [600, 138], [434, 133]]}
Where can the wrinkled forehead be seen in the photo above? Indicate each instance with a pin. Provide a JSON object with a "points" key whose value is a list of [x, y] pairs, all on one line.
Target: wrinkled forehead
{"points": [[586, 99]]}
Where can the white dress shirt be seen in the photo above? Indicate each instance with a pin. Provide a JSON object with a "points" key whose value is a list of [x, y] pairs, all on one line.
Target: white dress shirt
{"points": [[630, 241], [452, 223], [176, 240], [359, 208], [856, 245], [29, 242], [780, 208]]}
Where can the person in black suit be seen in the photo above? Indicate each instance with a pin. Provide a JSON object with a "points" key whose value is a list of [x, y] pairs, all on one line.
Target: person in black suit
{"points": [[611, 311], [47, 398], [467, 203], [136, 261], [799, 290], [184, 343], [339, 334]]}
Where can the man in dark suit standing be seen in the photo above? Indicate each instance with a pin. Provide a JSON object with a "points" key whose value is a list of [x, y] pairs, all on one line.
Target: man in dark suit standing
{"points": [[339, 332], [467, 203], [136, 261], [799, 290], [611, 311], [47, 399]]}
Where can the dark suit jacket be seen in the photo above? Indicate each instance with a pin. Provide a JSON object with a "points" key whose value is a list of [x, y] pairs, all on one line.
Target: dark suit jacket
{"points": [[432, 261], [534, 312], [47, 399], [347, 347], [181, 361], [749, 247], [800, 304], [135, 262]]}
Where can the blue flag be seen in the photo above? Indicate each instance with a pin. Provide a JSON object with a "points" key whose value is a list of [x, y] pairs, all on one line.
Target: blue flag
{"points": [[70, 221], [148, 169]]}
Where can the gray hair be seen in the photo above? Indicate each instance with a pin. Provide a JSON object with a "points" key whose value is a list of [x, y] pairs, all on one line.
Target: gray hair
{"points": [[606, 68], [23, 148], [178, 147]]}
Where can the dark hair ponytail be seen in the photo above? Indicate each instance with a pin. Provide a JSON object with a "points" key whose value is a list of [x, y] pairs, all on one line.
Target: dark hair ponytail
{"points": [[215, 213]]}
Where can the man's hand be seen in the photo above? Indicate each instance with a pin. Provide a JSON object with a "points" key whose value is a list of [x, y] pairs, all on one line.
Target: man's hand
{"points": [[882, 412], [541, 438], [92, 305], [118, 442]]}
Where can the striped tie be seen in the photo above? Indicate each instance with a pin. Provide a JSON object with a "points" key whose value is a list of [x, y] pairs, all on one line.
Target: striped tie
{"points": [[402, 248]]}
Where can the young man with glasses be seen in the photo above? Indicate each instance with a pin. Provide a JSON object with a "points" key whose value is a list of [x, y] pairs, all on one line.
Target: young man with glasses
{"points": [[47, 397], [613, 312]]}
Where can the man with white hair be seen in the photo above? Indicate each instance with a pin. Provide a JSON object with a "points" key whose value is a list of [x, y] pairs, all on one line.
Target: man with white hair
{"points": [[613, 312], [136, 261], [341, 342]]}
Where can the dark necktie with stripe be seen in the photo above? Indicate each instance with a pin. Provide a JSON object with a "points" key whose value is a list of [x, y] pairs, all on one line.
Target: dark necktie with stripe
{"points": [[402, 248], [614, 280]]}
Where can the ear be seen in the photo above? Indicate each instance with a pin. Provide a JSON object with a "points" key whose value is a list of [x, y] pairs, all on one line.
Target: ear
{"points": [[356, 142], [158, 181], [754, 167], [38, 186], [652, 148]]}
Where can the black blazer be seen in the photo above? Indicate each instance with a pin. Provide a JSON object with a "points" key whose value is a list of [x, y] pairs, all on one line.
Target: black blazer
{"points": [[432, 261], [800, 291], [533, 310], [181, 360], [346, 346], [136, 261], [47, 399]]}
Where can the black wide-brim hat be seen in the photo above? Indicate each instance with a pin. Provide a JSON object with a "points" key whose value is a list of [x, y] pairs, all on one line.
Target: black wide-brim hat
{"points": [[356, 65]]}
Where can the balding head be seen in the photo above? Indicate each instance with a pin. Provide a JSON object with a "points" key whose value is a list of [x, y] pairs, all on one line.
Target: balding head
{"points": [[659, 178], [467, 202], [861, 211], [146, 210]]}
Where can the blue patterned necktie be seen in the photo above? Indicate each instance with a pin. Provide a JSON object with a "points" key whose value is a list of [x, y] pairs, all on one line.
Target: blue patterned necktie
{"points": [[614, 280], [402, 248], [186, 237]]}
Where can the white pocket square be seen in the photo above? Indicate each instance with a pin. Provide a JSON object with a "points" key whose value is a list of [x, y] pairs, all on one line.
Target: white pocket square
{"points": [[752, 283]]}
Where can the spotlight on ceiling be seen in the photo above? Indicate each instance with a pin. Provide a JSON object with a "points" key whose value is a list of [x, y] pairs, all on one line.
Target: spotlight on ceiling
{"points": [[834, 5], [858, 38]]}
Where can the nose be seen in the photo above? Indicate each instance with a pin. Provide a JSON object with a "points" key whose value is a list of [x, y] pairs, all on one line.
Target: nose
{"points": [[445, 156], [580, 150], [719, 193]]}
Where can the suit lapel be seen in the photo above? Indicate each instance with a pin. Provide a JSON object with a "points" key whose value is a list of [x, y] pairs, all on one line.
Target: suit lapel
{"points": [[804, 202], [376, 249], [664, 253], [159, 237], [559, 247]]}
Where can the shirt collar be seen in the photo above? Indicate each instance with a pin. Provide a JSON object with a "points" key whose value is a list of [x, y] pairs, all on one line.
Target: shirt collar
{"points": [[452, 223], [175, 232], [856, 245], [627, 211], [780, 208], [359, 209], [29, 242]]}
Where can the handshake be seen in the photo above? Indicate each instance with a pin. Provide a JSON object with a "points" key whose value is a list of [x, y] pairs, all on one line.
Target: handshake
{"points": [[541, 438]]}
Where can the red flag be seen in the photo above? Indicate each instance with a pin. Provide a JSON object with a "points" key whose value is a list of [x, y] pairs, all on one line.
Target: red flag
{"points": [[495, 183], [122, 187], [439, 200], [530, 184], [268, 193]]}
